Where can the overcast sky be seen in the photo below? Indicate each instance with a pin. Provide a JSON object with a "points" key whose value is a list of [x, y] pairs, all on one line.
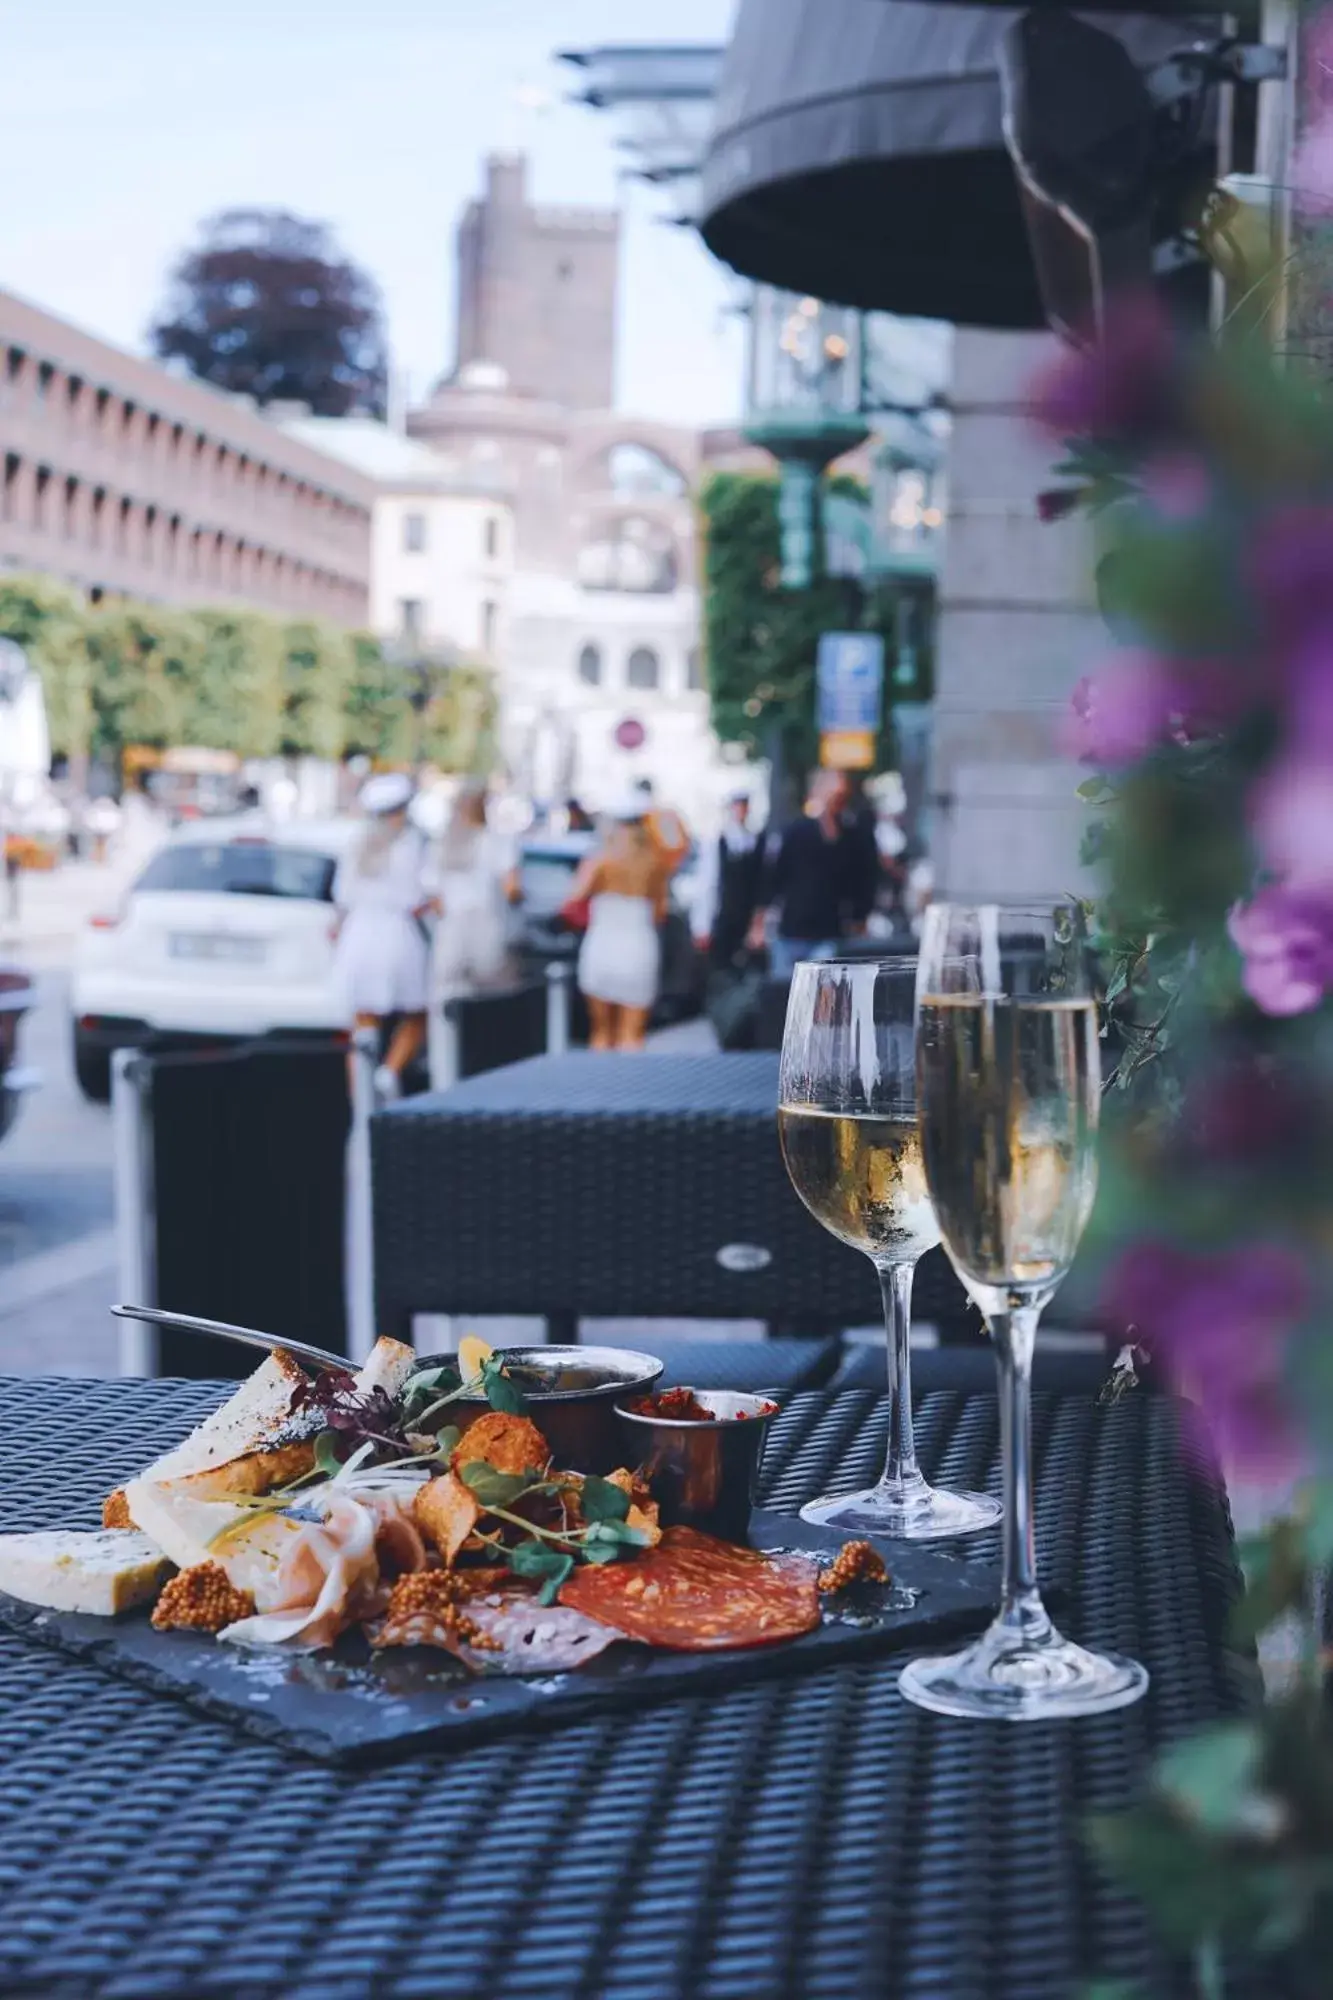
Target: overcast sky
{"points": [[122, 125]]}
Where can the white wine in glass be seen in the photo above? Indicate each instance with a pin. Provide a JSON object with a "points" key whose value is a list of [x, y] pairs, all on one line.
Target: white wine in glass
{"points": [[1008, 1082], [850, 1138]]}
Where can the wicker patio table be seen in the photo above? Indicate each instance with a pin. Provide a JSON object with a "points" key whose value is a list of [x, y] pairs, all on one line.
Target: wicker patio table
{"points": [[599, 1185], [811, 1837]]}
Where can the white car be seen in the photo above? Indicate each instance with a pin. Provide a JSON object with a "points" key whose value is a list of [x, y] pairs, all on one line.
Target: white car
{"points": [[228, 931]]}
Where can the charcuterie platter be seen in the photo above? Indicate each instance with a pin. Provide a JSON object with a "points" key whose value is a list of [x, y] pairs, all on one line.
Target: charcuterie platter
{"points": [[363, 1566]]}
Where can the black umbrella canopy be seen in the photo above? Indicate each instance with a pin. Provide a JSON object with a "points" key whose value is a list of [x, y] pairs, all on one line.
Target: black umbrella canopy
{"points": [[858, 156]]}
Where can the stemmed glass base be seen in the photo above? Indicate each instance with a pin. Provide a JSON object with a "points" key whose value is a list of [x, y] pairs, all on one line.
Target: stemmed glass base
{"points": [[907, 1509], [1014, 1674]]}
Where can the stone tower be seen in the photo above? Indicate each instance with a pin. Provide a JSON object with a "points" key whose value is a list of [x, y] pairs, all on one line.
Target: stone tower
{"points": [[537, 291]]}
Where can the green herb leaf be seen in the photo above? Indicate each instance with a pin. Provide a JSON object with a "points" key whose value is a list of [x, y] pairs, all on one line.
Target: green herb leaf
{"points": [[492, 1488], [501, 1392], [447, 1440], [601, 1501], [327, 1460], [539, 1559], [600, 1552]]}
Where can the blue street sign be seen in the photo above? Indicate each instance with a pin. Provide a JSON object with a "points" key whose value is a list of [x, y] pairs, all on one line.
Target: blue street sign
{"points": [[850, 680]]}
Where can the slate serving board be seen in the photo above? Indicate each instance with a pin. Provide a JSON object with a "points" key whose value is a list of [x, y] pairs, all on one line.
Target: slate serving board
{"points": [[347, 1706]]}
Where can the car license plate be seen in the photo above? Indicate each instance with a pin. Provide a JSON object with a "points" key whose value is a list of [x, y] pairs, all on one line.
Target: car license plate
{"points": [[217, 946]]}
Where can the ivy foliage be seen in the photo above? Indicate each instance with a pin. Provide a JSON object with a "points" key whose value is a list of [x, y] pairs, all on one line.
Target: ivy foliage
{"points": [[761, 638]]}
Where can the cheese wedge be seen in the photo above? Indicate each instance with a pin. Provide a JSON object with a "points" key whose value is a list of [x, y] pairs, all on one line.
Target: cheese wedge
{"points": [[189, 1530], [103, 1571]]}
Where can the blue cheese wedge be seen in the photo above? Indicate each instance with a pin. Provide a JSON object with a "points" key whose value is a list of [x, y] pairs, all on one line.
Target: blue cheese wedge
{"points": [[103, 1571]]}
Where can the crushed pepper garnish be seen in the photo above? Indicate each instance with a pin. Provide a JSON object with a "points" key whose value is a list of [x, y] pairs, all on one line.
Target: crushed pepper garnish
{"points": [[855, 1562]]}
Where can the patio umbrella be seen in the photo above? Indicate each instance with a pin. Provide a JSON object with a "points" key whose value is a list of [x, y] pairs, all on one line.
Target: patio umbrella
{"points": [[857, 156]]}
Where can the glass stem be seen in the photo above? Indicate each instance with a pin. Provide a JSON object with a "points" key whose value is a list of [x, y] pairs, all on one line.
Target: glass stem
{"points": [[895, 1284], [1015, 1336]]}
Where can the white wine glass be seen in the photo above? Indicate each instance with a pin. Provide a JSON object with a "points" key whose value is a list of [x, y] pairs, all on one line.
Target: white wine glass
{"points": [[1008, 1086], [847, 1121]]}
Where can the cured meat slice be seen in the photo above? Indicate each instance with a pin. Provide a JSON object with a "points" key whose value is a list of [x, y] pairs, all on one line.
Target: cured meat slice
{"points": [[491, 1621], [693, 1593]]}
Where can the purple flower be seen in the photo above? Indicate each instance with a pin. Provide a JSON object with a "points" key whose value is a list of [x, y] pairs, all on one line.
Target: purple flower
{"points": [[1291, 571], [1285, 936], [1312, 170], [1176, 485], [1291, 816], [1139, 701], [1122, 385], [1221, 1322]]}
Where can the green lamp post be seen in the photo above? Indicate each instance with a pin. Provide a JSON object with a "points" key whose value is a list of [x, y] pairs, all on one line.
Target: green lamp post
{"points": [[804, 397]]}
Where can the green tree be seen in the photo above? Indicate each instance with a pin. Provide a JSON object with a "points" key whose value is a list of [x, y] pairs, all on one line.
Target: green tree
{"points": [[238, 694], [377, 721], [144, 663], [49, 622], [317, 669], [761, 639]]}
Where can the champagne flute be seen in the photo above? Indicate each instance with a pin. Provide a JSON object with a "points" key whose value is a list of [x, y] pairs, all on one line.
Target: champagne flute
{"points": [[1008, 1082], [847, 1121]]}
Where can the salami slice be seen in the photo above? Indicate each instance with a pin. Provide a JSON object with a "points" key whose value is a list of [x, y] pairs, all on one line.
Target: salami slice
{"points": [[693, 1593]]}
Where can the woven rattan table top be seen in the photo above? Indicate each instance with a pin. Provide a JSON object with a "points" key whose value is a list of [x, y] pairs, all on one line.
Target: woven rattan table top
{"points": [[813, 1838]]}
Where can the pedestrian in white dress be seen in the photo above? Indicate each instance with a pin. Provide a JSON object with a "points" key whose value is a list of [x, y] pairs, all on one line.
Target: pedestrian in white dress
{"points": [[474, 876], [625, 886], [382, 955]]}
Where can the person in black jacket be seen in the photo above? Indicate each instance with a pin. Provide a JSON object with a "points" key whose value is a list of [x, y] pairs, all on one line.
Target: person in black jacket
{"points": [[726, 893], [823, 879]]}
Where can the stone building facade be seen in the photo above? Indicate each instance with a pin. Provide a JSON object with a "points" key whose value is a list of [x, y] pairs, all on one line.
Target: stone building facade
{"points": [[122, 479], [442, 548], [537, 291]]}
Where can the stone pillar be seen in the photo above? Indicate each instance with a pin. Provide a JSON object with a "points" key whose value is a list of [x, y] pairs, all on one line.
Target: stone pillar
{"points": [[1017, 627]]}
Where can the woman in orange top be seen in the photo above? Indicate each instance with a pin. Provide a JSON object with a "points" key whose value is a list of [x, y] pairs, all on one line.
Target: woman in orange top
{"points": [[625, 885]]}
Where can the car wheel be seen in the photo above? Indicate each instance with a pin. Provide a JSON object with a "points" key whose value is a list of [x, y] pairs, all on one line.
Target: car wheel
{"points": [[92, 1069]]}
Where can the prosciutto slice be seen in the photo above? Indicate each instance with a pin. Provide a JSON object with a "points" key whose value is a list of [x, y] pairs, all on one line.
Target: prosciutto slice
{"points": [[331, 1570]]}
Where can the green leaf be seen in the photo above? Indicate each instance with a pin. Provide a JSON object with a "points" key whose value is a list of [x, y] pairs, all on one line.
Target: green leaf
{"points": [[447, 1440], [1318, 1496], [1212, 1777], [327, 1460], [492, 1488], [600, 1552], [601, 1501], [539, 1559], [501, 1392], [617, 1533]]}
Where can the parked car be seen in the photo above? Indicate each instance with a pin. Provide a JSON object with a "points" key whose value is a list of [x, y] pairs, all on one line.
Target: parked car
{"points": [[16, 996], [227, 933], [547, 866]]}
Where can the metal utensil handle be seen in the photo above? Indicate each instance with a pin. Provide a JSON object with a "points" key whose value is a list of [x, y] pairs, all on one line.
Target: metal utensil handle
{"points": [[247, 1336]]}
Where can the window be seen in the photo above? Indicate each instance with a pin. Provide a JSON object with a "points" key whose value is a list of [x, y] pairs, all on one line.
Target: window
{"points": [[491, 537], [643, 669], [409, 617], [241, 868], [590, 666], [694, 668], [488, 627], [414, 534]]}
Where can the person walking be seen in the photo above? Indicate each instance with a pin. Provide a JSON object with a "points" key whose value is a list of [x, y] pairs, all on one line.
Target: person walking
{"points": [[624, 885], [823, 880], [726, 893], [473, 875], [666, 829], [382, 956]]}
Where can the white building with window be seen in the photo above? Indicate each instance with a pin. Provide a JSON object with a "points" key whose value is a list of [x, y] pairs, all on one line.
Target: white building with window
{"points": [[442, 538], [601, 661]]}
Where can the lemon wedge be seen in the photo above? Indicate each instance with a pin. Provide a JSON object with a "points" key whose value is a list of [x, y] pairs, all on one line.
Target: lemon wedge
{"points": [[472, 1351]]}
